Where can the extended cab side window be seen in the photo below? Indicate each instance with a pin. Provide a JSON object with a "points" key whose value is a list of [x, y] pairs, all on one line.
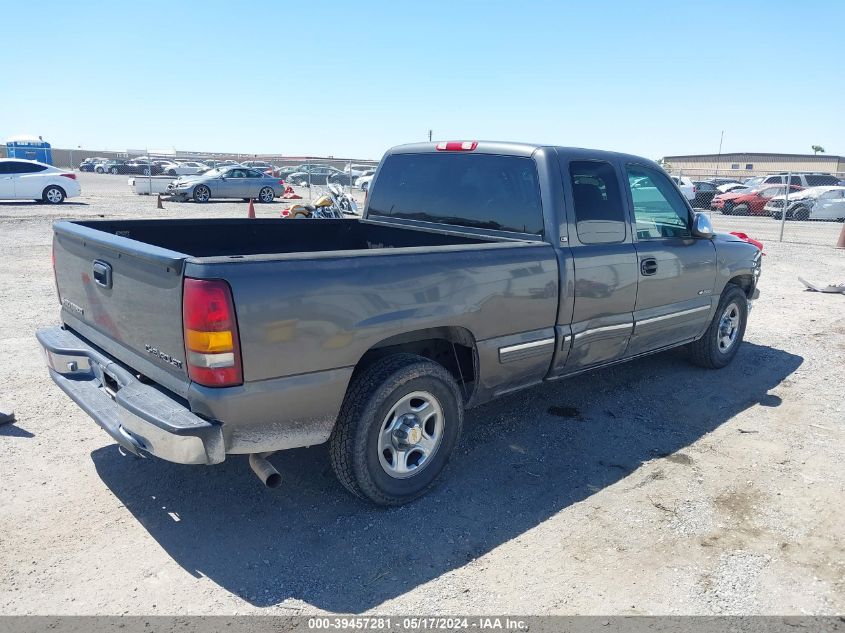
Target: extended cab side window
{"points": [[485, 191], [599, 214], [659, 209]]}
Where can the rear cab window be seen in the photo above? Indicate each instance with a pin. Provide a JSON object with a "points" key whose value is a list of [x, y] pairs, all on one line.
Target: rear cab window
{"points": [[483, 191], [597, 200]]}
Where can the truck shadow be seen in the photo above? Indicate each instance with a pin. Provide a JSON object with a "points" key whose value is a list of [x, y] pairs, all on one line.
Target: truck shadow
{"points": [[523, 459]]}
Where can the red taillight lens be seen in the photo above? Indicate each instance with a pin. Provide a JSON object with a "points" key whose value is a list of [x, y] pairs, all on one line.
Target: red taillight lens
{"points": [[71, 176], [212, 343], [281, 182], [456, 146]]}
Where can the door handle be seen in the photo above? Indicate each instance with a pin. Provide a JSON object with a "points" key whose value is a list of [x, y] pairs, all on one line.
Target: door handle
{"points": [[648, 266]]}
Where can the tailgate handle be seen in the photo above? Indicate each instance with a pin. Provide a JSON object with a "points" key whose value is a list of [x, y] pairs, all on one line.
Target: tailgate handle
{"points": [[102, 273]]}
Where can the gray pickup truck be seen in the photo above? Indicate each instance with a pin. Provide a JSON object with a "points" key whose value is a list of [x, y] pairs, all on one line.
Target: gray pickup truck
{"points": [[476, 270]]}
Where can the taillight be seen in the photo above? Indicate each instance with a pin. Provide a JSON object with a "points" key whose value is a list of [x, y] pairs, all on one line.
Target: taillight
{"points": [[456, 146], [212, 345], [282, 182], [71, 176]]}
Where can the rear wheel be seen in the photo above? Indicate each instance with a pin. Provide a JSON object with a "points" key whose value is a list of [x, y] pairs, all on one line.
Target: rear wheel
{"points": [[740, 209], [266, 194], [721, 341], [113, 170], [398, 425], [728, 208], [53, 194], [99, 170], [801, 213], [201, 193]]}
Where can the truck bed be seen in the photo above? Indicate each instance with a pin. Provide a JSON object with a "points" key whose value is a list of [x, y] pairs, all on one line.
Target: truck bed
{"points": [[229, 237], [310, 295]]}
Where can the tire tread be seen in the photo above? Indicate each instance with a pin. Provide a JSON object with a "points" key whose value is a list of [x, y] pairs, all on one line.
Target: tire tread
{"points": [[702, 352], [383, 376]]}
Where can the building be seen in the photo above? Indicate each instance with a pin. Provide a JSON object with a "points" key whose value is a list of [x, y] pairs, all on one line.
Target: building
{"points": [[752, 163]]}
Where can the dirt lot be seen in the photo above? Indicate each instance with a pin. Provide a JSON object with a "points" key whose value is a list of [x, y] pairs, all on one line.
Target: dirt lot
{"points": [[653, 487]]}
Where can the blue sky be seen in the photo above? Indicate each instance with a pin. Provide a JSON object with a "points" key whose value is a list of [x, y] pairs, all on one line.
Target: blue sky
{"points": [[354, 78]]}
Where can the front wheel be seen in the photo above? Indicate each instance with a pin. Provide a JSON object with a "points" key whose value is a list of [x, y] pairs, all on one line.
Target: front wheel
{"points": [[398, 425], [266, 194], [721, 341], [741, 209], [53, 195], [801, 213], [202, 193], [113, 170]]}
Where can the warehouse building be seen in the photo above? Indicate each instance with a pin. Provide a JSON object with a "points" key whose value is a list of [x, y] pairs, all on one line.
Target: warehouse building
{"points": [[753, 163]]}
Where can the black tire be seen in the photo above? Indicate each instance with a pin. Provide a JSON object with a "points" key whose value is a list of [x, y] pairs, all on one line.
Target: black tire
{"points": [[99, 170], [201, 194], [707, 351], [354, 444], [801, 213], [171, 172], [266, 195], [113, 170], [53, 194], [740, 209], [727, 209]]}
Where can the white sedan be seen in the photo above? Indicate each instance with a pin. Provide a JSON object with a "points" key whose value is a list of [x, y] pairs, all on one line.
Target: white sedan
{"points": [[31, 180], [812, 203], [363, 183], [188, 168]]}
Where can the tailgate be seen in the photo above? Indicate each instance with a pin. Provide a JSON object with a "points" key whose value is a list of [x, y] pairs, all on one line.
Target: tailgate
{"points": [[125, 297]]}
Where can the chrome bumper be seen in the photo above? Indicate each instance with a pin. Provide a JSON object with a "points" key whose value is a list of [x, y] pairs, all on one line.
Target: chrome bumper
{"points": [[141, 417]]}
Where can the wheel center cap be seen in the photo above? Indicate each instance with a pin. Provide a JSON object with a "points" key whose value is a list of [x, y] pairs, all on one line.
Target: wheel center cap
{"points": [[408, 432], [414, 435]]}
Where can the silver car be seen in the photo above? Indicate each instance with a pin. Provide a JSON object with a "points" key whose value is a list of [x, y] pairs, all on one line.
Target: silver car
{"points": [[227, 182]]}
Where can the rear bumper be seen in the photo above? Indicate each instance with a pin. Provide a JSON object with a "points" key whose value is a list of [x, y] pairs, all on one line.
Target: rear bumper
{"points": [[141, 417]]}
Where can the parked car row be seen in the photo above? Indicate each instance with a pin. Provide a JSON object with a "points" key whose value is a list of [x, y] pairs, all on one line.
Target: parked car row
{"points": [[303, 175], [811, 203]]}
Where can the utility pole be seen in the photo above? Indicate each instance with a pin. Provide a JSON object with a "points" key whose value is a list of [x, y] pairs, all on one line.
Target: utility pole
{"points": [[719, 155], [429, 136]]}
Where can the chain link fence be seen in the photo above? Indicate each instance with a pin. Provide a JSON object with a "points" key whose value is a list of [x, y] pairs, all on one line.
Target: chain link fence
{"points": [[798, 207], [801, 207]]}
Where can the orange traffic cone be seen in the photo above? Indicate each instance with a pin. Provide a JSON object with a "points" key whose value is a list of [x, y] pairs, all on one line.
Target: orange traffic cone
{"points": [[251, 211], [841, 242], [159, 205]]}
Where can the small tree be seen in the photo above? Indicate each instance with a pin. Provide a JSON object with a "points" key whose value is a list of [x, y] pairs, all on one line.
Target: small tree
{"points": [[817, 149]]}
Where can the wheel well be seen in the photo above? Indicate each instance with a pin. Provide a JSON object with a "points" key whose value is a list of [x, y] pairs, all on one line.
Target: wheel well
{"points": [[746, 282], [451, 347]]}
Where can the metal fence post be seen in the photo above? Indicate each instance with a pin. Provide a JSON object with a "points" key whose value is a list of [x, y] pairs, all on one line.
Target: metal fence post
{"points": [[785, 205]]}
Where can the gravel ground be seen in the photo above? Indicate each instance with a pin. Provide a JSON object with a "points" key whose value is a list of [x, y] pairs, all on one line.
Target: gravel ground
{"points": [[649, 488]]}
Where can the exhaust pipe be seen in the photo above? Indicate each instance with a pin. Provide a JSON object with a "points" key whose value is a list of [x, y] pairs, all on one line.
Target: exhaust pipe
{"points": [[264, 470]]}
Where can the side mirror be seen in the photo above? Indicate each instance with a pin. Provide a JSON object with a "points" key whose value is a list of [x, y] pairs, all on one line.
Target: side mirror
{"points": [[701, 226]]}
